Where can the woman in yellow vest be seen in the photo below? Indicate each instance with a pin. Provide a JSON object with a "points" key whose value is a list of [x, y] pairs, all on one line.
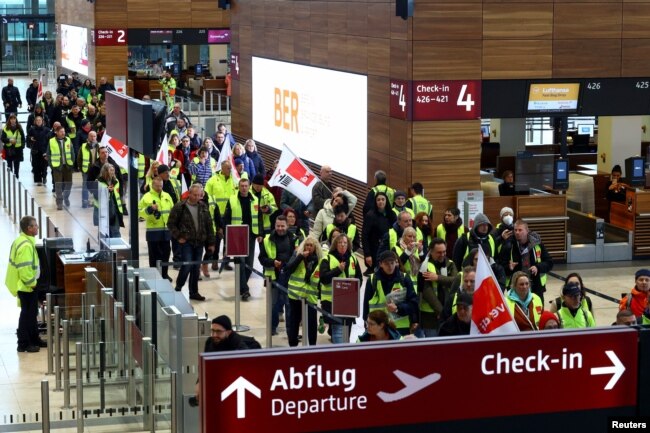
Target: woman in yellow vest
{"points": [[525, 306], [379, 327], [303, 284], [115, 221], [409, 252], [13, 138], [148, 178], [340, 262]]}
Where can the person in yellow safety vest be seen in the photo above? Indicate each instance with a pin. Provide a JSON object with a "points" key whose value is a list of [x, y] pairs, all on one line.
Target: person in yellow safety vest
{"points": [[108, 180], [410, 254], [344, 224], [304, 276], [268, 207], [527, 253], [525, 306], [13, 138], [85, 160], [389, 290], [468, 278], [451, 229], [572, 314], [169, 88], [478, 236], [243, 209], [220, 187], [380, 186], [155, 207], [73, 125], [60, 155], [22, 276], [399, 204], [340, 262], [275, 251], [151, 173], [142, 165], [435, 285], [389, 240], [417, 202]]}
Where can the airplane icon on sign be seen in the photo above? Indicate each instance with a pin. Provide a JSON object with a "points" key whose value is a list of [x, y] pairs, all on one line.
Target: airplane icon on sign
{"points": [[411, 383]]}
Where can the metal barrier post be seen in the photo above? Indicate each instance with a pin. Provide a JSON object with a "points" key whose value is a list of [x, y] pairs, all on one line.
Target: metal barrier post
{"points": [[80, 387], [269, 311], [346, 333], [57, 348], [50, 337], [45, 406], [41, 233], [238, 270], [305, 326], [87, 345], [131, 391], [33, 202], [174, 418], [66, 364], [119, 337], [92, 337], [26, 201], [148, 353]]}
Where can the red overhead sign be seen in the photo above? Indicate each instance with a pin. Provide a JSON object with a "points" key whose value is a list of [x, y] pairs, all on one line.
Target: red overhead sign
{"points": [[446, 100], [400, 99], [110, 37], [368, 385]]}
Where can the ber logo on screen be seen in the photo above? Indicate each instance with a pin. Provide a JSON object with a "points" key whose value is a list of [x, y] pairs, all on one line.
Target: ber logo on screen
{"points": [[300, 172], [286, 109]]}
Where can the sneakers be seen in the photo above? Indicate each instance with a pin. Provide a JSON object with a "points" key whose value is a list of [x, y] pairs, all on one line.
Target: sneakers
{"points": [[67, 202], [245, 296], [59, 207], [197, 297], [29, 349]]}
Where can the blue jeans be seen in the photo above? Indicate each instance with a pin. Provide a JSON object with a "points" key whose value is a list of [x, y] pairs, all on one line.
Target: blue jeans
{"points": [[84, 189], [190, 253], [337, 334], [280, 301]]}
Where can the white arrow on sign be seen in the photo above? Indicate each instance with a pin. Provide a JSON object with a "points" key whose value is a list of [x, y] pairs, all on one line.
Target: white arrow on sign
{"points": [[241, 385], [615, 370]]}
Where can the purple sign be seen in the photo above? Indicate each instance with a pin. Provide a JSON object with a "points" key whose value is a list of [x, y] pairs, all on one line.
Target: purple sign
{"points": [[220, 36]]}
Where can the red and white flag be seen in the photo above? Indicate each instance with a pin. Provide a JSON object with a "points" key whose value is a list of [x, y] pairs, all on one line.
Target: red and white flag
{"points": [[39, 95], [293, 175], [227, 155], [116, 150], [163, 153], [490, 312]]}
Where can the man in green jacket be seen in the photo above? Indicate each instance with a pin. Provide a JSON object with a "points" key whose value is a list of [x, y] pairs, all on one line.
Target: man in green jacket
{"points": [[22, 275]]}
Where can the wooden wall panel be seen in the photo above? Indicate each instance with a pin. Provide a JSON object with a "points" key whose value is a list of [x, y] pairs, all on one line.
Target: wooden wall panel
{"points": [[587, 20], [246, 106], [446, 60], [204, 14], [379, 56], [379, 15], [379, 134], [319, 50], [518, 21], [443, 178], [143, 13], [357, 18], [337, 22], [272, 14], [398, 173], [318, 16], [302, 47], [112, 62], [400, 139], [635, 61], [378, 94], [271, 42], [517, 59], [110, 15], [301, 14], [447, 21], [177, 19], [587, 58], [285, 48], [337, 53], [357, 54], [636, 17], [452, 140], [400, 59]]}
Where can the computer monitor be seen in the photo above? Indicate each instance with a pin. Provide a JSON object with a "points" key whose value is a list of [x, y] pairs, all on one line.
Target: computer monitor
{"points": [[561, 174], [586, 130], [635, 171], [198, 69]]}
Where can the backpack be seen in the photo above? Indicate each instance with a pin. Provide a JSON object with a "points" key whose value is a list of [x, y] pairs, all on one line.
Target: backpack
{"points": [[250, 342]]}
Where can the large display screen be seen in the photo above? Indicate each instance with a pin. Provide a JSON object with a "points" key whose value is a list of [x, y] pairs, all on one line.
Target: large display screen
{"points": [[74, 48], [553, 97], [321, 114]]}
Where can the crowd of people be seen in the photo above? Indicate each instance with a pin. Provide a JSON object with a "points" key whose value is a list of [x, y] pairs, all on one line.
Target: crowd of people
{"points": [[421, 276]]}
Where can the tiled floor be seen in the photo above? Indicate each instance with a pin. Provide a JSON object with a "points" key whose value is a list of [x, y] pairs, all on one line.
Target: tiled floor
{"points": [[21, 373]]}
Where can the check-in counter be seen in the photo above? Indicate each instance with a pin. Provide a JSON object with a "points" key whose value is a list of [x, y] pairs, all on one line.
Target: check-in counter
{"points": [[634, 215], [545, 214]]}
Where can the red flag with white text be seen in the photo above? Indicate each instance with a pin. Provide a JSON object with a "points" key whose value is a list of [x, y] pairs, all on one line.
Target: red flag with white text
{"points": [[293, 175], [490, 312], [116, 150]]}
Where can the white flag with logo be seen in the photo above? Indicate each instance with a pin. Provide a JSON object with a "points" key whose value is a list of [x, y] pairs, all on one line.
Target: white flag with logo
{"points": [[227, 155], [163, 153], [116, 150], [293, 175], [490, 311]]}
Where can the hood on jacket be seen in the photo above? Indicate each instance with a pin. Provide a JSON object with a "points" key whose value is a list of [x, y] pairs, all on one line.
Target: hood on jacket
{"points": [[481, 219]]}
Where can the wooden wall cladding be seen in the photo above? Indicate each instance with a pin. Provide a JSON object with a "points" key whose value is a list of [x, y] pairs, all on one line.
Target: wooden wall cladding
{"points": [[635, 61], [541, 206], [587, 58], [443, 178], [518, 21], [587, 20], [446, 140], [111, 14], [447, 60], [112, 62], [517, 59], [636, 17], [447, 21]]}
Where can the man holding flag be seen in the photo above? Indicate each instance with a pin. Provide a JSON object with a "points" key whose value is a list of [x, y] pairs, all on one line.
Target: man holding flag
{"points": [[293, 175], [490, 312]]}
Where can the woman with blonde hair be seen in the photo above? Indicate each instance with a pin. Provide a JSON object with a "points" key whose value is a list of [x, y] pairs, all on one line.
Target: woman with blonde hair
{"points": [[239, 152], [303, 273], [148, 178]]}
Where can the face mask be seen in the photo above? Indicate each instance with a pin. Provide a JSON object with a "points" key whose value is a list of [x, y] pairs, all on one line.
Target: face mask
{"points": [[507, 220]]}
